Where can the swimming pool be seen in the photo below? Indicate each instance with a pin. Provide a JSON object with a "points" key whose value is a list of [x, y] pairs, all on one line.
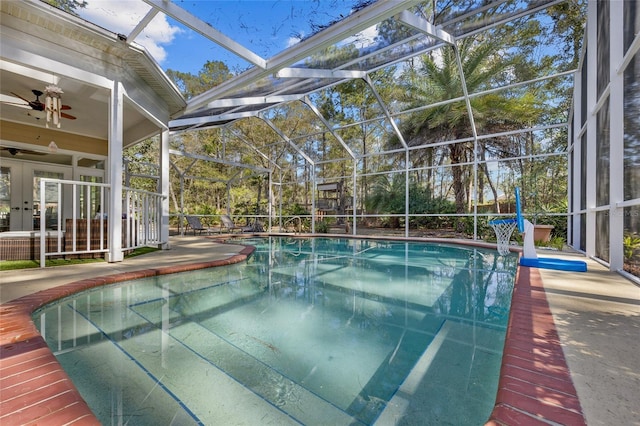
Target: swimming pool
{"points": [[311, 331]]}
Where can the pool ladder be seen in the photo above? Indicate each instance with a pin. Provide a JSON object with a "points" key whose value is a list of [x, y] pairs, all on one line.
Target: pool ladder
{"points": [[291, 220]]}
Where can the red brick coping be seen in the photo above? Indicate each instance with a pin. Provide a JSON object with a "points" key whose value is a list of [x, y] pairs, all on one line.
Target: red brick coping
{"points": [[535, 386]]}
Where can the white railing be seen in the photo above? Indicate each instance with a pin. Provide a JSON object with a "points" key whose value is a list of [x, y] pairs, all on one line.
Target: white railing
{"points": [[73, 220], [143, 218], [291, 221]]}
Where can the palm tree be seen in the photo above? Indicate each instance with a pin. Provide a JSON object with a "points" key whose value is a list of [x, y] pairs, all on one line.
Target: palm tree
{"points": [[438, 79], [387, 196]]}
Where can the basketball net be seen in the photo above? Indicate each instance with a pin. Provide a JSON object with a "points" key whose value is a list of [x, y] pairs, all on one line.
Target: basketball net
{"points": [[504, 228]]}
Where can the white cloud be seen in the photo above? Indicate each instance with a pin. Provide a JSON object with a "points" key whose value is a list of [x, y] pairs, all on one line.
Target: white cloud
{"points": [[360, 40], [363, 38], [294, 40], [122, 17]]}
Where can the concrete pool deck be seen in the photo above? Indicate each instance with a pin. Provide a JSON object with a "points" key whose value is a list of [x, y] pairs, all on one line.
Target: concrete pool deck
{"points": [[595, 317]]}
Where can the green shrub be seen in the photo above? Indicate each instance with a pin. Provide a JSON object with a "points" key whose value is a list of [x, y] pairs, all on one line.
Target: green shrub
{"points": [[555, 242], [322, 227], [485, 231], [631, 244], [295, 210]]}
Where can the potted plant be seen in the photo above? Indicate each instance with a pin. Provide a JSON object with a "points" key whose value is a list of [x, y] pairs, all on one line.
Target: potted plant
{"points": [[542, 233]]}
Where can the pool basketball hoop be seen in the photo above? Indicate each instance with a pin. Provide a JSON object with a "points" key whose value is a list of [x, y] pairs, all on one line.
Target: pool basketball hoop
{"points": [[504, 228]]}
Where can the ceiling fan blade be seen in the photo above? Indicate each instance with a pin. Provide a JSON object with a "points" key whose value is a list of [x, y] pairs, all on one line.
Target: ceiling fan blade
{"points": [[65, 115], [13, 100], [65, 107], [18, 96], [36, 105], [20, 151], [30, 152], [16, 104]]}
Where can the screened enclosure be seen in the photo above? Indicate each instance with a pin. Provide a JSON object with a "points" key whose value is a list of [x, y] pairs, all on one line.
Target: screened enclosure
{"points": [[412, 118], [426, 128]]}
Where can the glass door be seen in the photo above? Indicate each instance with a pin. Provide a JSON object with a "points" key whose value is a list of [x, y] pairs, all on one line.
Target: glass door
{"points": [[12, 207], [20, 208], [51, 208], [5, 198], [92, 201]]}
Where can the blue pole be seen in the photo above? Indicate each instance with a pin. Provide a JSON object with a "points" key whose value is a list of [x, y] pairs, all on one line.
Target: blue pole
{"points": [[519, 217]]}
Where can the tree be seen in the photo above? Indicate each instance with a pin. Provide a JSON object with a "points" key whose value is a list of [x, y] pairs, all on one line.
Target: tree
{"points": [[68, 6], [210, 75], [206, 195], [487, 61], [518, 51], [387, 196]]}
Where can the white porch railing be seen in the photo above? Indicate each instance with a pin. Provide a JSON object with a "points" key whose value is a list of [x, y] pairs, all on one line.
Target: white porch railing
{"points": [[143, 223], [73, 222]]}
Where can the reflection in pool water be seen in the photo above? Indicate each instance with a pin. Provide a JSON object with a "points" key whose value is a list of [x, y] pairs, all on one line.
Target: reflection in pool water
{"points": [[311, 331]]}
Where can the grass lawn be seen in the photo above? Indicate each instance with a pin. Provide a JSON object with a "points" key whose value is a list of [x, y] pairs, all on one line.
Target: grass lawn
{"points": [[7, 265]]}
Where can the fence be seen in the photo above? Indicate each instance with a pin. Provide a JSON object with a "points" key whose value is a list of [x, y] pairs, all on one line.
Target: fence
{"points": [[77, 209]]}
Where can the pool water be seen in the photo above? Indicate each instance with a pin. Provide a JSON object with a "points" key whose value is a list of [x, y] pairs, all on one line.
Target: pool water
{"points": [[307, 331]]}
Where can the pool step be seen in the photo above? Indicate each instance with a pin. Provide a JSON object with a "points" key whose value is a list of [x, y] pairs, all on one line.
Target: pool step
{"points": [[418, 289], [274, 388]]}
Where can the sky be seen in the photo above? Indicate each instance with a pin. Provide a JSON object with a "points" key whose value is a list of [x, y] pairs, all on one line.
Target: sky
{"points": [[265, 27]]}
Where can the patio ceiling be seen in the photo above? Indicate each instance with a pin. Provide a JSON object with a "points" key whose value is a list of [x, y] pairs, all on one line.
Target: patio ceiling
{"points": [[90, 105], [42, 46]]}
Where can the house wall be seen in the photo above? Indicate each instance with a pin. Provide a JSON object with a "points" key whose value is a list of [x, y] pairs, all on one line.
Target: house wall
{"points": [[605, 159]]}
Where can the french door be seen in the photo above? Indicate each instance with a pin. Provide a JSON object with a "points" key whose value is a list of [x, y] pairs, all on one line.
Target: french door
{"points": [[20, 208]]}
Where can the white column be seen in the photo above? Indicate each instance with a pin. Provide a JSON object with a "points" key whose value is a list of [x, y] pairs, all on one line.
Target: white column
{"points": [[528, 246], [116, 117], [576, 171], [616, 129], [270, 202], [590, 176], [573, 234], [354, 202], [163, 188]]}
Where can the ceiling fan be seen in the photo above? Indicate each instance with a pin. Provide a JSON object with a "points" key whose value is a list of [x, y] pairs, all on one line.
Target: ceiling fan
{"points": [[18, 151], [36, 104]]}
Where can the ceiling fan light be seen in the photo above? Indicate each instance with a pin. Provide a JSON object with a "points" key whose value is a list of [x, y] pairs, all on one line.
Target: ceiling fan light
{"points": [[53, 148]]}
